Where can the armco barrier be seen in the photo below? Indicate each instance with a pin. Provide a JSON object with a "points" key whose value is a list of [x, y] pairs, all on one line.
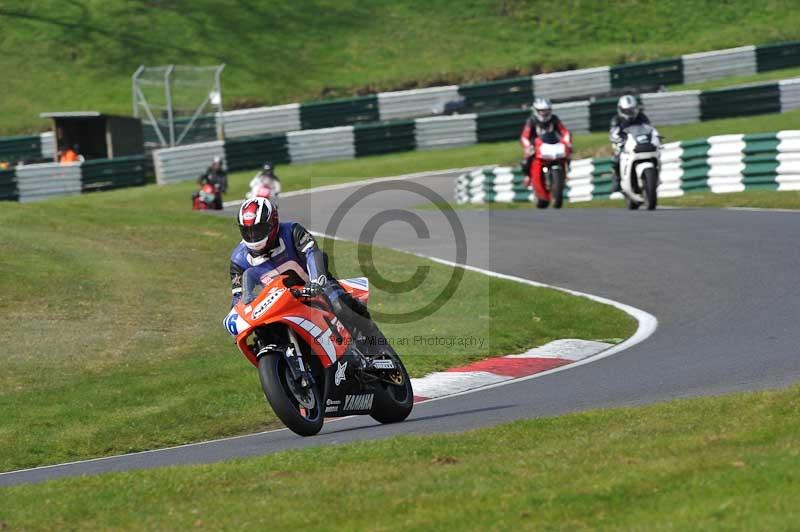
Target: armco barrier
{"points": [[8, 186], [384, 137], [108, 174], [721, 164], [328, 144], [790, 94], [262, 121], [719, 64], [572, 84], [461, 130], [184, 163], [648, 74], [446, 131], [502, 94], [575, 115], [345, 112], [48, 143], [740, 101], [777, 56], [415, 103], [21, 148], [672, 107], [500, 125], [252, 152], [42, 181]]}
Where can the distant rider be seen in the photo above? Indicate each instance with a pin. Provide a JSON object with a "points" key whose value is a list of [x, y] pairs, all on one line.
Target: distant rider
{"points": [[628, 114], [267, 177], [216, 175], [541, 122], [275, 248]]}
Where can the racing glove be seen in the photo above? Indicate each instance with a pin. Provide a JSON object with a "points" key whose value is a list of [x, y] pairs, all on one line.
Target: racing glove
{"points": [[314, 287]]}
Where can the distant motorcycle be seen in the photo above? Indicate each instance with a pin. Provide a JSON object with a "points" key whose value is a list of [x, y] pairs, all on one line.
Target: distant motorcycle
{"points": [[261, 189], [639, 164], [309, 364], [208, 197], [553, 155]]}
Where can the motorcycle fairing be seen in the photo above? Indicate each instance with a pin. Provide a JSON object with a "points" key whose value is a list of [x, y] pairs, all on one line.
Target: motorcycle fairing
{"points": [[344, 394]]}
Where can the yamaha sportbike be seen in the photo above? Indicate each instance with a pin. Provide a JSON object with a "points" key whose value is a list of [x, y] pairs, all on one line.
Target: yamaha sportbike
{"points": [[310, 365]]}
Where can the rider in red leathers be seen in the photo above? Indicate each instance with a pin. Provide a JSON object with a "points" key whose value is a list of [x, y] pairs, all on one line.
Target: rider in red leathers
{"points": [[541, 122]]}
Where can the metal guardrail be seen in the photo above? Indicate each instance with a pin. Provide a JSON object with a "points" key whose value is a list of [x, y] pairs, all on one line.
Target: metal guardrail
{"points": [[262, 120], [322, 144], [446, 131], [42, 181], [184, 163]]}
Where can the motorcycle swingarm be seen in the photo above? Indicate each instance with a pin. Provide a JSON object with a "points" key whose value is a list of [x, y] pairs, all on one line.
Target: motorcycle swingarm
{"points": [[346, 393]]}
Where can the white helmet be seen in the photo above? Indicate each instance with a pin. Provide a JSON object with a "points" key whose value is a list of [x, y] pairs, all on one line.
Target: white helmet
{"points": [[628, 107], [542, 110]]}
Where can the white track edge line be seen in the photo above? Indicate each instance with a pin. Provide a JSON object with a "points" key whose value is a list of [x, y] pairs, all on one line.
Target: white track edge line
{"points": [[647, 322], [647, 326]]}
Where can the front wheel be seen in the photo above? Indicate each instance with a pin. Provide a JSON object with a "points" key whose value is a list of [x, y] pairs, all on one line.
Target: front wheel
{"points": [[557, 187], [299, 408], [650, 188]]}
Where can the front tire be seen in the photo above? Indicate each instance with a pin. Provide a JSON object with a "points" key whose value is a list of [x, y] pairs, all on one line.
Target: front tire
{"points": [[557, 187], [650, 188], [301, 410]]}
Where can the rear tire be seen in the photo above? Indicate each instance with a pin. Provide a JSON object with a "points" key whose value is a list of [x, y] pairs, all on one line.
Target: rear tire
{"points": [[557, 187], [393, 403], [650, 188], [275, 381], [542, 204]]}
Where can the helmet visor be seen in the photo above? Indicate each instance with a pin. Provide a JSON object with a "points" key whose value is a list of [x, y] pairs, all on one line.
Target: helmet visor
{"points": [[253, 234], [543, 115]]}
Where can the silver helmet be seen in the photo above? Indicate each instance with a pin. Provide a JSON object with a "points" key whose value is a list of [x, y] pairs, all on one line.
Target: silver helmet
{"points": [[627, 107], [542, 109]]}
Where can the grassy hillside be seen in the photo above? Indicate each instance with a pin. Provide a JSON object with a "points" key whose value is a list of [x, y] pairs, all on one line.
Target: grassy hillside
{"points": [[80, 55]]}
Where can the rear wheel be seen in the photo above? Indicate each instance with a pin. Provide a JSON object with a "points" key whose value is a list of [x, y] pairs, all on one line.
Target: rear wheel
{"points": [[632, 204], [394, 396], [300, 408], [650, 188], [542, 204], [557, 187]]}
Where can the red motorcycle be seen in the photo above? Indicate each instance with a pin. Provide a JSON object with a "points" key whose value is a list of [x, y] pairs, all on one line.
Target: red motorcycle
{"points": [[548, 170], [310, 366], [208, 197]]}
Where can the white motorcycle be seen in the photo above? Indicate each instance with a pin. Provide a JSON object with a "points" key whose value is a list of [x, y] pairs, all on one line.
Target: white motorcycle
{"points": [[639, 165], [260, 189]]}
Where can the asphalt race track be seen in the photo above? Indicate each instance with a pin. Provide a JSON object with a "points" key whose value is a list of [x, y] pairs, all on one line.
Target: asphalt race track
{"points": [[722, 283]]}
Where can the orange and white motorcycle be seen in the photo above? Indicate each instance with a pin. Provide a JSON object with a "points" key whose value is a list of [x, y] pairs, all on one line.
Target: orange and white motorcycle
{"points": [[311, 366]]}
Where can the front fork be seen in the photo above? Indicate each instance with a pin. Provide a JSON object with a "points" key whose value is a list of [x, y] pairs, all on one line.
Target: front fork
{"points": [[300, 373]]}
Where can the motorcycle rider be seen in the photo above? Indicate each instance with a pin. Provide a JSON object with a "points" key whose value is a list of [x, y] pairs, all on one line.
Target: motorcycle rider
{"points": [[274, 247], [216, 175], [267, 178], [628, 114], [541, 122]]}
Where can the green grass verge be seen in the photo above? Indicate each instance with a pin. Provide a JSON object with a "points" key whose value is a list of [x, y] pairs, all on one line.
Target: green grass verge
{"points": [[80, 55], [711, 463], [300, 176], [113, 304], [761, 77]]}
